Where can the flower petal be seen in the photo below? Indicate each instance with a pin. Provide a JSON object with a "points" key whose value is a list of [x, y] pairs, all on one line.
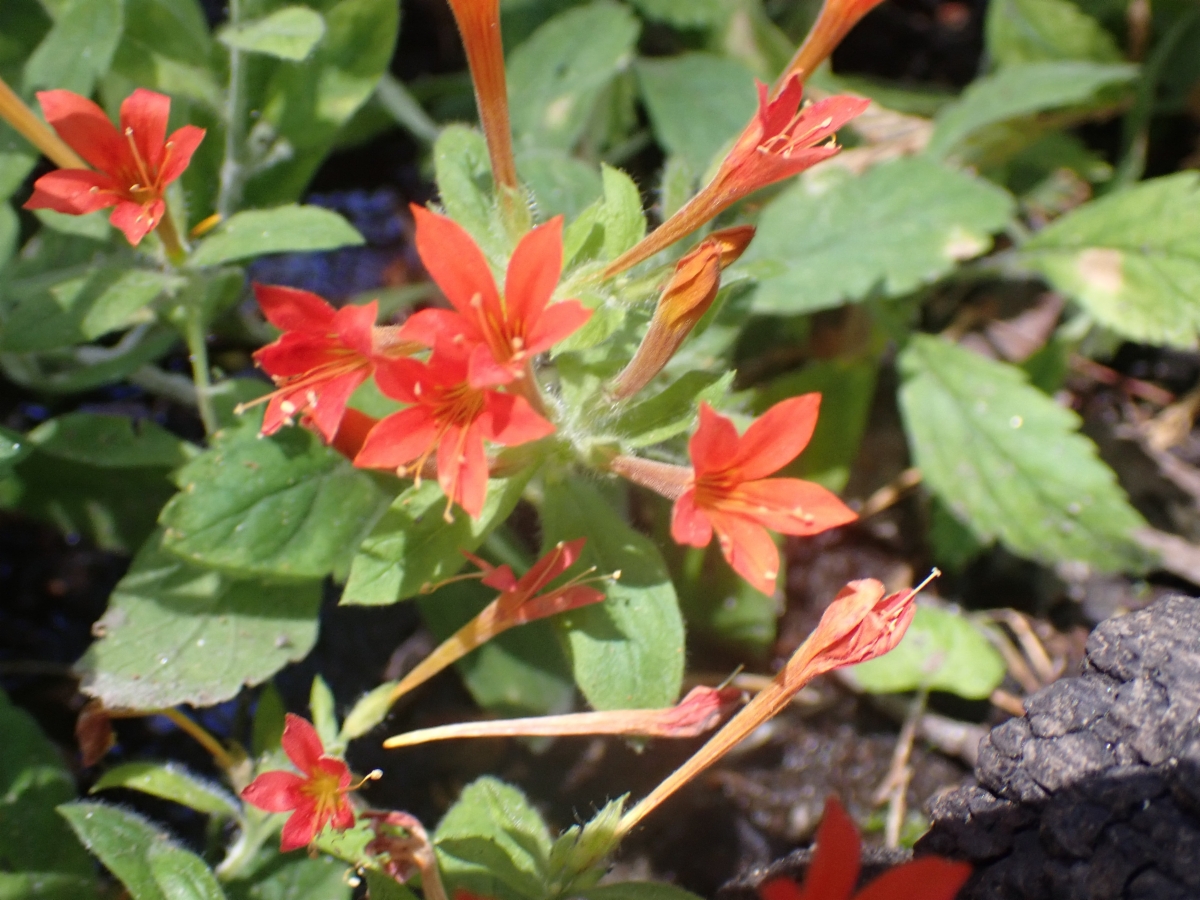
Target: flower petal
{"points": [[714, 443], [135, 219], [780, 889], [180, 147], [833, 872], [73, 191], [400, 379], [144, 117], [398, 439], [296, 353], [291, 309], [927, 878], [510, 420], [748, 548], [275, 791], [301, 743], [558, 322], [776, 437], [462, 467], [533, 274], [433, 326], [354, 324], [327, 401], [690, 524], [343, 815], [486, 371], [793, 506], [300, 829], [455, 263], [83, 125]]}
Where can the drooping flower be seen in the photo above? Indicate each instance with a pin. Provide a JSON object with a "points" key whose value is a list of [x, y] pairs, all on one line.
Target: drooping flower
{"points": [[133, 164], [834, 870], [450, 418], [731, 494], [684, 301], [321, 357], [502, 333], [833, 23], [316, 797], [782, 140]]}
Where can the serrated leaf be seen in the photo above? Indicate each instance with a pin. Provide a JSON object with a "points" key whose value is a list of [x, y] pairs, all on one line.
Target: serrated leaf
{"points": [[1024, 31], [289, 33], [79, 47], [697, 102], [123, 841], [176, 633], [622, 216], [1020, 91], [412, 546], [556, 76], [1131, 259], [941, 651], [627, 652], [33, 781], [493, 842], [171, 782], [1010, 462], [284, 229], [284, 506], [886, 233]]}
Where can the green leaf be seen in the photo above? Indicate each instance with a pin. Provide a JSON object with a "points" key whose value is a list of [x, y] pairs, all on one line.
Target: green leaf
{"points": [[464, 178], [1016, 93], [182, 875], [1025, 31], [110, 442], [288, 33], [721, 609], [79, 47], [697, 102], [81, 306], [321, 705], [123, 841], [493, 842], [579, 857], [1009, 461], [17, 160], [46, 886], [941, 651], [284, 506], [175, 633], [171, 782], [295, 876], [412, 545], [623, 219], [627, 652], [886, 233], [10, 230], [523, 672], [33, 781], [561, 184], [670, 412], [269, 722], [285, 229], [685, 13], [71, 370], [556, 77], [638, 890], [1131, 259], [94, 225], [384, 887]]}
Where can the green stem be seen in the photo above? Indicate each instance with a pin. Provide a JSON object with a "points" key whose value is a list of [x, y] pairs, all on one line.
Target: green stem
{"points": [[196, 334], [233, 169], [169, 235]]}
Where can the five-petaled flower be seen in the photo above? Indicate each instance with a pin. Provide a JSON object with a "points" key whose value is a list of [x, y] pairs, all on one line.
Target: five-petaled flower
{"points": [[321, 357], [133, 163], [315, 798], [834, 870], [449, 417], [503, 333], [782, 140], [731, 494]]}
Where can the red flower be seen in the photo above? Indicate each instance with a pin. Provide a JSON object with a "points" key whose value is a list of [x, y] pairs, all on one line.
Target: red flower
{"points": [[450, 416], [317, 797], [133, 165], [504, 334], [833, 872], [781, 141], [321, 357], [730, 493]]}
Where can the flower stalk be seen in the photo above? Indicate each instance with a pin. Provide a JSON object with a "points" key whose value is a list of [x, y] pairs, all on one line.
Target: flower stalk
{"points": [[833, 23], [29, 126]]}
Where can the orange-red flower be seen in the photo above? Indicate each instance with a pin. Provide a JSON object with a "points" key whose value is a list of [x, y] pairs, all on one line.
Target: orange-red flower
{"points": [[836, 19], [321, 357], [133, 164], [449, 417], [731, 494], [781, 141], [316, 798], [833, 873], [502, 334]]}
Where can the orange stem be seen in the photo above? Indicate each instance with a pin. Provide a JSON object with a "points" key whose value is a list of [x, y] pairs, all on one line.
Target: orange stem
{"points": [[24, 120]]}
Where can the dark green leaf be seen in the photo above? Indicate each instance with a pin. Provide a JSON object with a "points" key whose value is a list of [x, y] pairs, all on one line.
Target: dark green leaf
{"points": [[886, 233], [1010, 462], [175, 633], [283, 506], [182, 875], [110, 442], [269, 721], [284, 229], [171, 782], [412, 545], [294, 876], [79, 47], [626, 652], [123, 841], [46, 886], [384, 887], [288, 33], [638, 890]]}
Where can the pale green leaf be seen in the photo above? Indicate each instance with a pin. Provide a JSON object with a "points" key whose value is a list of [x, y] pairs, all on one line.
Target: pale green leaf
{"points": [[561, 184], [670, 412], [900, 226], [941, 651], [1010, 462], [29, 885], [322, 707], [1025, 31], [78, 49], [171, 782], [464, 178], [685, 13], [623, 219], [627, 652], [175, 633], [1131, 259], [288, 33], [284, 229]]}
